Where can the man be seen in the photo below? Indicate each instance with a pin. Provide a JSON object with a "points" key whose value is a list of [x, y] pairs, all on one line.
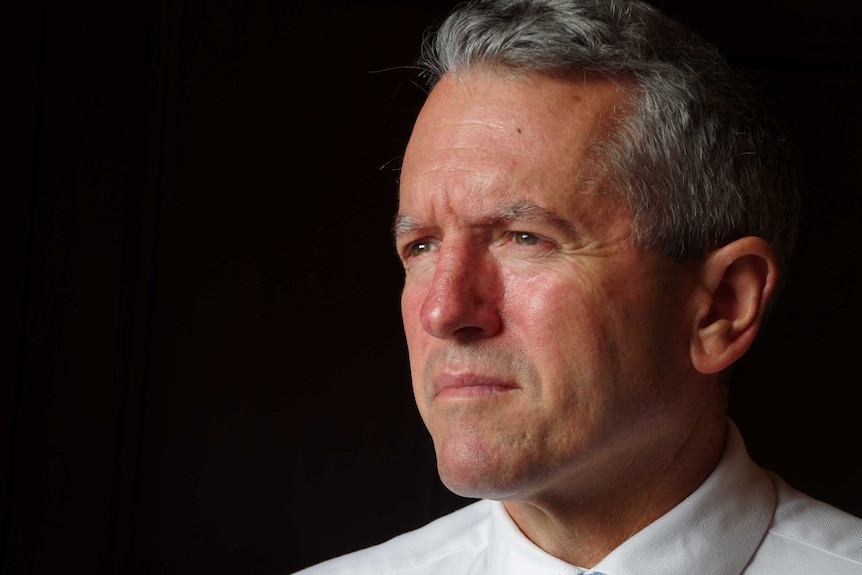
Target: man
{"points": [[593, 217]]}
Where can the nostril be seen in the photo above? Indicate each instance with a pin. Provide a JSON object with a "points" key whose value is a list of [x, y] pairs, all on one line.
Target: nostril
{"points": [[468, 334]]}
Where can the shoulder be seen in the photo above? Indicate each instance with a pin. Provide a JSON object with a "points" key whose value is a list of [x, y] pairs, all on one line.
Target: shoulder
{"points": [[446, 545], [808, 534]]}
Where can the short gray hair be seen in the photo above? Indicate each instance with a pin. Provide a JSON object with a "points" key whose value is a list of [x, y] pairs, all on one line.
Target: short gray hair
{"points": [[698, 158]]}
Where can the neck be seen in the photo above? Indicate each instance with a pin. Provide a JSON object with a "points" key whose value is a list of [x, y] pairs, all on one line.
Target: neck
{"points": [[583, 529]]}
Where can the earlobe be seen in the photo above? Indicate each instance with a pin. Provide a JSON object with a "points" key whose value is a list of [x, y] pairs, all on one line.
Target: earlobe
{"points": [[737, 279]]}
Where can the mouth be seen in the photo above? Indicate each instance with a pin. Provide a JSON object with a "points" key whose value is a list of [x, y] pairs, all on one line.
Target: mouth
{"points": [[467, 386]]}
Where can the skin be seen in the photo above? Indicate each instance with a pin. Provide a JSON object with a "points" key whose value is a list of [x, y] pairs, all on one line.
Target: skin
{"points": [[557, 367]]}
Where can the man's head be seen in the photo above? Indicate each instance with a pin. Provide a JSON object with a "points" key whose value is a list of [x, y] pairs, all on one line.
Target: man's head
{"points": [[578, 269], [696, 157]]}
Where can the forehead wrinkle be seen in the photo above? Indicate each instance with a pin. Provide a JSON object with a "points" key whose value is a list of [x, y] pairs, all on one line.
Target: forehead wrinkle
{"points": [[490, 140], [479, 123]]}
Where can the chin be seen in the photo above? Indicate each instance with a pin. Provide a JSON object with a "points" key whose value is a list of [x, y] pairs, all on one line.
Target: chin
{"points": [[475, 490], [485, 479]]}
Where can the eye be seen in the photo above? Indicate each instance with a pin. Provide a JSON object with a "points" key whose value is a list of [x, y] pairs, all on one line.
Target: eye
{"points": [[529, 244], [418, 248], [525, 239]]}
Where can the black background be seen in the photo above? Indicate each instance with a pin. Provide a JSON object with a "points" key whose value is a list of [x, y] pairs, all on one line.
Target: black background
{"points": [[206, 370]]}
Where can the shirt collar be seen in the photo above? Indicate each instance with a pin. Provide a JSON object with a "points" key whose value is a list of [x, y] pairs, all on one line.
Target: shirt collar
{"points": [[512, 553], [714, 531]]}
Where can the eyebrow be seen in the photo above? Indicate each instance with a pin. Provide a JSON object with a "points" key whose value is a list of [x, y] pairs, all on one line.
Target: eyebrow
{"points": [[505, 214]]}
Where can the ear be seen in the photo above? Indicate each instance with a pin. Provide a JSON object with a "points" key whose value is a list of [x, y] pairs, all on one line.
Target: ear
{"points": [[737, 280]]}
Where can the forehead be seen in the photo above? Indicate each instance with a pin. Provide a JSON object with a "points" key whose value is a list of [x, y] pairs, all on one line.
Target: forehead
{"points": [[486, 138]]}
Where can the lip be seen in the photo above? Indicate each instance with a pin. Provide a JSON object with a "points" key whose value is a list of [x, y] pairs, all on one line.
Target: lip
{"points": [[467, 385]]}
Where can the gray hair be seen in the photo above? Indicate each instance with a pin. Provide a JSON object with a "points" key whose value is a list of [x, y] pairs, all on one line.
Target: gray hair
{"points": [[698, 159]]}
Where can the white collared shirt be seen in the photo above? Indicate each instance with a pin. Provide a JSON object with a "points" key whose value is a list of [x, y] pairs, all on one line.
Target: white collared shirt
{"points": [[742, 520]]}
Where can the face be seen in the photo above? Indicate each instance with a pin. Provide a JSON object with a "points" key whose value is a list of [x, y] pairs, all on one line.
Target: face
{"points": [[545, 349]]}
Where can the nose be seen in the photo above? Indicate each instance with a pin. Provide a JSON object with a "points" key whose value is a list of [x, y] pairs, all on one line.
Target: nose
{"points": [[464, 296]]}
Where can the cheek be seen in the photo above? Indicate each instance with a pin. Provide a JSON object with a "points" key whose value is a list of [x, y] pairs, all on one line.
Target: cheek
{"points": [[574, 331], [554, 309], [411, 318], [411, 302], [408, 305], [558, 324]]}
